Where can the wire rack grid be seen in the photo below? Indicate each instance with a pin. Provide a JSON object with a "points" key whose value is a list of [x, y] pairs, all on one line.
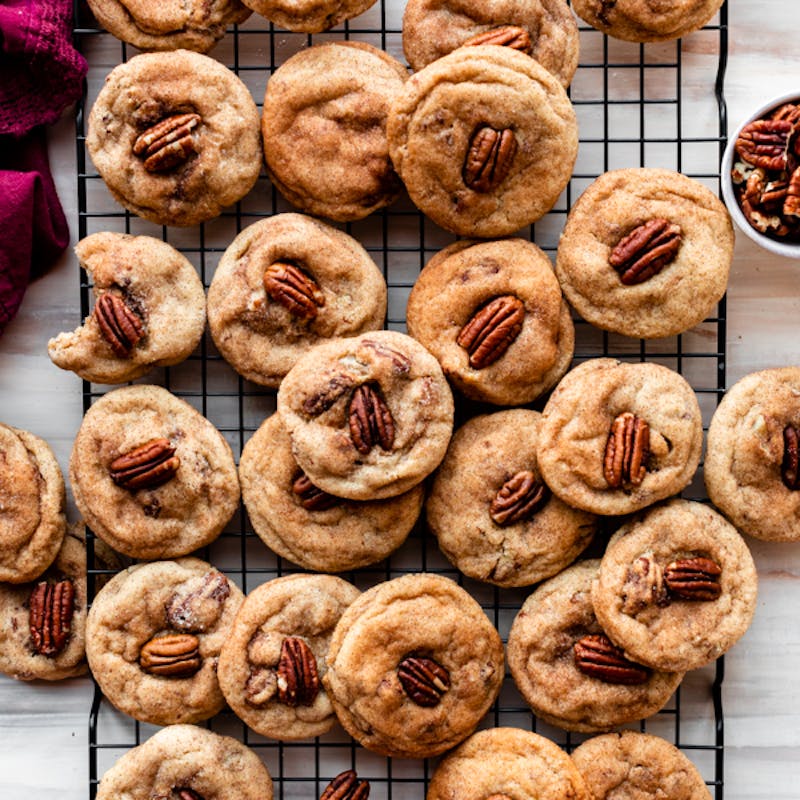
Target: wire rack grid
{"points": [[654, 105]]}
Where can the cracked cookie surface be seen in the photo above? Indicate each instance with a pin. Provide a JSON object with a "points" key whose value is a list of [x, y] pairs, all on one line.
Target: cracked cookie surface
{"points": [[309, 16]]}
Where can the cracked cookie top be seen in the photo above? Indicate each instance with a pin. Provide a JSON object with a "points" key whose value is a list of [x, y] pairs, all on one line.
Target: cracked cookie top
{"points": [[309, 16]]}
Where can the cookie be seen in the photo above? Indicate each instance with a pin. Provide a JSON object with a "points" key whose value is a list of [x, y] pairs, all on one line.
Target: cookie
{"points": [[369, 417], [616, 436], [187, 761], [324, 129], [32, 497], [309, 16], [634, 766], [308, 526], [285, 284], [153, 638], [491, 512], [160, 132], [493, 315], [566, 668], [505, 763], [152, 476], [677, 587], [150, 310], [413, 666], [644, 20], [272, 663], [751, 465], [645, 252], [484, 140], [543, 29]]}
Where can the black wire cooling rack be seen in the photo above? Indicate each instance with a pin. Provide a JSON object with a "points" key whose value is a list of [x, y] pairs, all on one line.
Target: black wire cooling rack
{"points": [[654, 105]]}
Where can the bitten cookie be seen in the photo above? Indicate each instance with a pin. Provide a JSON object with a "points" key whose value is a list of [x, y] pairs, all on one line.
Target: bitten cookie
{"points": [[484, 140], [369, 417], [568, 670], [150, 310], [309, 526], [153, 639], [309, 16], [617, 437], [751, 467], [677, 586], [272, 663], [285, 284], [32, 497], [493, 315], [187, 761], [324, 129], [413, 666], [645, 252], [490, 510], [152, 476], [160, 133]]}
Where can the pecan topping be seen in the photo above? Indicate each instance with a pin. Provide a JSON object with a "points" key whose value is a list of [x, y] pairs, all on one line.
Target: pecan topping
{"points": [[298, 681], [646, 250], [371, 421], [176, 655], [184, 793], [508, 36], [644, 586], [597, 657], [260, 687], [120, 325], [489, 158], [167, 143], [145, 467], [311, 497], [197, 604], [346, 786], [401, 363], [491, 330], [325, 398], [423, 680], [518, 499], [293, 289], [790, 468], [50, 611], [693, 579], [764, 142], [627, 449], [791, 203]]}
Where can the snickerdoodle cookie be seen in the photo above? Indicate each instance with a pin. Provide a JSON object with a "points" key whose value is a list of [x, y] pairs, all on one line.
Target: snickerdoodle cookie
{"points": [[309, 16]]}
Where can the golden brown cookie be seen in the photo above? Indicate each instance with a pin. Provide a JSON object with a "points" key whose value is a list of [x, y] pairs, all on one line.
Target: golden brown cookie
{"points": [[309, 16]]}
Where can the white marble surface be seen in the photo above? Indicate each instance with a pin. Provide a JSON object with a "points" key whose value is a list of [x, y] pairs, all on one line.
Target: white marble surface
{"points": [[43, 728]]}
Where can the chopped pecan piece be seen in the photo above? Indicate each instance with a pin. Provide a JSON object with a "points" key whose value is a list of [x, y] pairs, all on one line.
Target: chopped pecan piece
{"points": [[401, 363], [311, 497], [489, 158], [508, 36], [597, 657], [175, 655], [518, 499], [491, 330], [118, 322], [646, 250], [146, 466], [167, 143], [317, 403], [644, 586], [764, 143], [627, 450], [423, 680], [790, 468], [370, 420], [197, 604], [50, 610], [261, 686], [693, 579], [298, 681], [346, 786], [294, 289], [774, 194]]}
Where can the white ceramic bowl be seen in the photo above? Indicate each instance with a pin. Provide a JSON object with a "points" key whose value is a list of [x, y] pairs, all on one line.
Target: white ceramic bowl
{"points": [[791, 250]]}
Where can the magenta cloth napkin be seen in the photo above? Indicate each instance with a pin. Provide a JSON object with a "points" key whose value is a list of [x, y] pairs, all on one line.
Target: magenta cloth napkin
{"points": [[40, 74]]}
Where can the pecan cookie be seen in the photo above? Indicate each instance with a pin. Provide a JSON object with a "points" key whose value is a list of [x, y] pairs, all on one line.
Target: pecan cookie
{"points": [[493, 315], [190, 763], [32, 497], [309, 526], [677, 586], [152, 476], [369, 417], [567, 669], [273, 661], [751, 466], [616, 437], [484, 139], [153, 638], [160, 133], [324, 129], [285, 284], [413, 666], [490, 510], [150, 310], [309, 16], [645, 252], [543, 29]]}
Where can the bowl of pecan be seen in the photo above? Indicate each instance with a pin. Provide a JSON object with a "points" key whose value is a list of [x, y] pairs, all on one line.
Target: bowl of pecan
{"points": [[761, 176]]}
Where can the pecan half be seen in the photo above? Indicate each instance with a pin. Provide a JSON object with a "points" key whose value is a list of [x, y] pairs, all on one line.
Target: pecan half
{"points": [[175, 655], [646, 250], [627, 449], [518, 499], [294, 289], [370, 419], [491, 330], [168, 143], [763, 221], [346, 786], [120, 325], [788, 111], [311, 497], [597, 657], [424, 680], [489, 158], [764, 143], [298, 681], [146, 466], [50, 610], [791, 203], [693, 579], [644, 586], [508, 36], [790, 467]]}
